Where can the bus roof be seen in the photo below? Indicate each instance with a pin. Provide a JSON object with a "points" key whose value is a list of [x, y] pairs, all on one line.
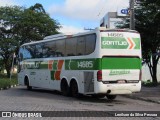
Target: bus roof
{"points": [[58, 36], [69, 35]]}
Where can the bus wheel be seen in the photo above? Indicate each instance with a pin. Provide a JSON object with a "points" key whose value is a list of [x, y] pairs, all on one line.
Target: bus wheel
{"points": [[111, 97], [64, 88], [27, 84], [74, 89]]}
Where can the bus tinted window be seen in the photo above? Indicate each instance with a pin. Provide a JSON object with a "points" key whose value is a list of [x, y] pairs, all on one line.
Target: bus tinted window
{"points": [[38, 50], [76, 46], [21, 54], [29, 52], [60, 48], [81, 46], [49, 49], [90, 43], [71, 46]]}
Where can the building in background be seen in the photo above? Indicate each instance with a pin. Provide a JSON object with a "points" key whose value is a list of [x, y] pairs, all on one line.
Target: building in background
{"points": [[112, 18]]}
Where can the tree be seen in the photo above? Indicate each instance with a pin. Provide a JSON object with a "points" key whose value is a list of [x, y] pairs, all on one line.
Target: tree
{"points": [[1, 65], [147, 17], [8, 18], [19, 25], [35, 24]]}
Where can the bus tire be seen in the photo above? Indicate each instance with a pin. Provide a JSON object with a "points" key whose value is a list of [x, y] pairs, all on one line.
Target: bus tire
{"points": [[27, 84], [111, 97], [74, 89], [65, 88]]}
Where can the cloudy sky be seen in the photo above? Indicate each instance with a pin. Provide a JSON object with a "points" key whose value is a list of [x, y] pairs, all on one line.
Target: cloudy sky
{"points": [[74, 15]]}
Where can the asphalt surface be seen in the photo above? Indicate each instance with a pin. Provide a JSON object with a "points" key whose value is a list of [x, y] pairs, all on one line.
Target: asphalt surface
{"points": [[150, 94], [20, 99]]}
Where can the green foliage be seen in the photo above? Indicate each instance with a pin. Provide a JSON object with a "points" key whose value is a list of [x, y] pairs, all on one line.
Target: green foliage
{"points": [[148, 83], [147, 23], [19, 25], [8, 43], [6, 82], [147, 16], [1, 65], [35, 24]]}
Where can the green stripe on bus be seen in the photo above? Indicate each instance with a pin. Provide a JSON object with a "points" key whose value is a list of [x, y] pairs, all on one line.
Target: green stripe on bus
{"points": [[137, 43], [52, 75], [91, 64], [121, 63], [55, 64], [43, 65], [83, 64]]}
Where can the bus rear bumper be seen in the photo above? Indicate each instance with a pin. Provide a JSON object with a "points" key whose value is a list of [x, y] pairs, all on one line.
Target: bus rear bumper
{"points": [[117, 89]]}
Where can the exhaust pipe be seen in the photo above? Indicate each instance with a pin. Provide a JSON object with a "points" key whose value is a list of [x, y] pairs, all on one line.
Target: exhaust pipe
{"points": [[108, 91]]}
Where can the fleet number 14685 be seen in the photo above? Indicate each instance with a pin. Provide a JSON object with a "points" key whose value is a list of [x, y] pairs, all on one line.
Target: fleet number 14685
{"points": [[85, 64]]}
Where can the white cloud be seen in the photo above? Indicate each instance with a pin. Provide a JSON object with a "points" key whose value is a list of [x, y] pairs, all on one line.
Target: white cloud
{"points": [[86, 9], [70, 29], [8, 2]]}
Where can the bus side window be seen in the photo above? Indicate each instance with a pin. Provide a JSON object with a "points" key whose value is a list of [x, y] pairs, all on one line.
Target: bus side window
{"points": [[81, 46], [49, 49], [60, 48], [71, 44], [39, 50], [28, 52], [90, 43], [21, 54]]}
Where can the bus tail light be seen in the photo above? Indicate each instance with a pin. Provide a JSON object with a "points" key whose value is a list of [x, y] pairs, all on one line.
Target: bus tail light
{"points": [[99, 75], [140, 75]]}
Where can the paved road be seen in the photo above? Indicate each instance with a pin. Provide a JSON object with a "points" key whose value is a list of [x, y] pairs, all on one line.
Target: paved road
{"points": [[20, 99]]}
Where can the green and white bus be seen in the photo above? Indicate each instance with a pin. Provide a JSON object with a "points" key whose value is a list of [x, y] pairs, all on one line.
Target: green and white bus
{"points": [[102, 62]]}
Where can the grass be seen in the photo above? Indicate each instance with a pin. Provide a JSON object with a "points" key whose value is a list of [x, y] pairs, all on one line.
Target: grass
{"points": [[6, 82], [148, 83]]}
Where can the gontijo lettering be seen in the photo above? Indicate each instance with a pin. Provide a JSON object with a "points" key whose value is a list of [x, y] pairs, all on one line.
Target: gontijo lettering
{"points": [[114, 43], [120, 43]]}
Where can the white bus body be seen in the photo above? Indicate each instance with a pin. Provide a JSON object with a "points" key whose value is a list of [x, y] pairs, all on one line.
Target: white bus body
{"points": [[100, 62]]}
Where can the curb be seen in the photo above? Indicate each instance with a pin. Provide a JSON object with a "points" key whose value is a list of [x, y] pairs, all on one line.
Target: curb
{"points": [[141, 98], [5, 88]]}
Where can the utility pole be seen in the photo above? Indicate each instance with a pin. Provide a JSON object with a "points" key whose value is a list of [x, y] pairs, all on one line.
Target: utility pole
{"points": [[12, 67], [132, 16]]}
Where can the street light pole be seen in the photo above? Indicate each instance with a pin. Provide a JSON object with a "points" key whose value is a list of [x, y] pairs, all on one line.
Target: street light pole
{"points": [[132, 16]]}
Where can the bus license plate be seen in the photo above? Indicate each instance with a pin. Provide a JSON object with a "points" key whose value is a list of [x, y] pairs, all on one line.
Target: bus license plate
{"points": [[121, 81]]}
